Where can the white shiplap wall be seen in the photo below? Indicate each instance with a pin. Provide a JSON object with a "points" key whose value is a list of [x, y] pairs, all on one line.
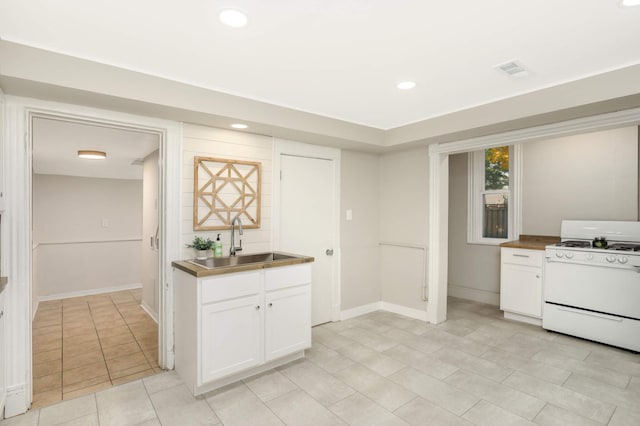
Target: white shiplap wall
{"points": [[220, 143]]}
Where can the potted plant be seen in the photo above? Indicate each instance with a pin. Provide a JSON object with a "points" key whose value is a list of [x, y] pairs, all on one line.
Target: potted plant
{"points": [[201, 246]]}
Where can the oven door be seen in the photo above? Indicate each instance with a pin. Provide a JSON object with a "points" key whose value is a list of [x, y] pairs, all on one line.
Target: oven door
{"points": [[608, 289]]}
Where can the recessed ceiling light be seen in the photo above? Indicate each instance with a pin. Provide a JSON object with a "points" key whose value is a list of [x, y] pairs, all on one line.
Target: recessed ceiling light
{"points": [[233, 18], [406, 85], [92, 155], [239, 126], [630, 3]]}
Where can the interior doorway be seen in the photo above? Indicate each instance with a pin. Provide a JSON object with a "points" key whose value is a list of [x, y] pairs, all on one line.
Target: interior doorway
{"points": [[95, 259]]}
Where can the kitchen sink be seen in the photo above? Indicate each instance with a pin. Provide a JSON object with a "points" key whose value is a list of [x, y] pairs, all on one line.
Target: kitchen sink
{"points": [[222, 262]]}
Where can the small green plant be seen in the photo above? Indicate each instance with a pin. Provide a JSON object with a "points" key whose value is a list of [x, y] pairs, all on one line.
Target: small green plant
{"points": [[200, 243]]}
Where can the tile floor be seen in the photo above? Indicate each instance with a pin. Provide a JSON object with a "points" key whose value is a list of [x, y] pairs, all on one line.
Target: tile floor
{"points": [[386, 369], [85, 344]]}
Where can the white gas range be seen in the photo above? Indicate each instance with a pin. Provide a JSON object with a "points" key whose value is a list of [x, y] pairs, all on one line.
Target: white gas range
{"points": [[592, 282]]}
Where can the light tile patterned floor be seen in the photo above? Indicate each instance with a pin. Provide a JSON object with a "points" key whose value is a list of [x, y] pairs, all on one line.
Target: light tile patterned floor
{"points": [[386, 369], [85, 344]]}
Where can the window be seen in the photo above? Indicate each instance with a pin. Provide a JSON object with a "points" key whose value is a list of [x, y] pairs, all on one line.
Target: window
{"points": [[491, 182]]}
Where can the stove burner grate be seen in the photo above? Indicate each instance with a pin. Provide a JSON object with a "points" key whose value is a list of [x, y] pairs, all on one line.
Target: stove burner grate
{"points": [[574, 243], [624, 247]]}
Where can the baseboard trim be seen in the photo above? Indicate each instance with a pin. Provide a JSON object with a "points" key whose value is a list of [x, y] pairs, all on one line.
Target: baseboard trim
{"points": [[522, 318], [89, 292], [360, 310], [149, 311], [16, 401], [405, 311], [482, 296], [383, 306]]}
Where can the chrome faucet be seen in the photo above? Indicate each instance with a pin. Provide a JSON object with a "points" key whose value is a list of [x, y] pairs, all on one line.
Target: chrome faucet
{"points": [[233, 249]]}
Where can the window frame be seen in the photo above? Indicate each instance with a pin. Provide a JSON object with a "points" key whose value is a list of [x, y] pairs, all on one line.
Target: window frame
{"points": [[476, 190]]}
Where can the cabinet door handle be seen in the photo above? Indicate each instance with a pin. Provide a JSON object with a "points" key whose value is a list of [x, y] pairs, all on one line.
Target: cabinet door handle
{"points": [[537, 275], [520, 255], [257, 307], [270, 304]]}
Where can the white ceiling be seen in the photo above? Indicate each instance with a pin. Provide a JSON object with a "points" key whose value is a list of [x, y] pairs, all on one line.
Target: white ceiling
{"points": [[342, 58], [56, 144]]}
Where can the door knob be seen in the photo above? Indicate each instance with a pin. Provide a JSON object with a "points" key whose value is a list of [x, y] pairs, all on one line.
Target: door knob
{"points": [[329, 252]]}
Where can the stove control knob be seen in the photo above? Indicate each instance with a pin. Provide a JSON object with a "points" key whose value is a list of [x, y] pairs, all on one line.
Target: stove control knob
{"points": [[589, 256], [559, 254], [568, 255], [622, 259], [611, 259]]}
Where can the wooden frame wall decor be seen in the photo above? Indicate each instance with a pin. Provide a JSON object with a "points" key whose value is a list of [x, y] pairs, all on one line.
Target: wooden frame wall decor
{"points": [[224, 189]]}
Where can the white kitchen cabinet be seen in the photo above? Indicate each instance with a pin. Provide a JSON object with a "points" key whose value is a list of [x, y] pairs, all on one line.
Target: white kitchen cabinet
{"points": [[232, 337], [288, 321], [521, 278], [235, 325]]}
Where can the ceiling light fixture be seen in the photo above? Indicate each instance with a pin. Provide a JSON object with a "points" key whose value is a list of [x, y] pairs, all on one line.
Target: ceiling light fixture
{"points": [[406, 85], [239, 126], [233, 18], [630, 3], [92, 155]]}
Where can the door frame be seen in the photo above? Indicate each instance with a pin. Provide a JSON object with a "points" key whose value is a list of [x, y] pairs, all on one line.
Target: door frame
{"points": [[17, 235], [286, 147]]}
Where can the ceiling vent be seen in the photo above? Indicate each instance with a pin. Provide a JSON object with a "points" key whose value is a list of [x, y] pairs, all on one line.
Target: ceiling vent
{"points": [[513, 69]]}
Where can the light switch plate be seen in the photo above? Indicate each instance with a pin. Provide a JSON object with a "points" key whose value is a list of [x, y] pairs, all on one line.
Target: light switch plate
{"points": [[349, 214]]}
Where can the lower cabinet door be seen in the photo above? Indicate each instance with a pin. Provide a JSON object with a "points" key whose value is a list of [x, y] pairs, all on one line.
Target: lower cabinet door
{"points": [[521, 290], [232, 337], [288, 321]]}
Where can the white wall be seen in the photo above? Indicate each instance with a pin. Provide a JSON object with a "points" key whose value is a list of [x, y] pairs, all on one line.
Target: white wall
{"points": [[592, 176], [404, 219], [359, 237], [75, 252], [213, 142], [474, 269]]}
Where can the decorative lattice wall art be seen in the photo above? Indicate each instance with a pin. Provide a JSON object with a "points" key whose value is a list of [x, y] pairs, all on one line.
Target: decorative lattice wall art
{"points": [[224, 189]]}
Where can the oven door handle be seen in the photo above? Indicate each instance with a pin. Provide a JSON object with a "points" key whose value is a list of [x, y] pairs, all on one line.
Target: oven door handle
{"points": [[600, 265]]}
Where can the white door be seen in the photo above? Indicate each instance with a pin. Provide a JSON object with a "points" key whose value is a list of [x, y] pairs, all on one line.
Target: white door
{"points": [[307, 223]]}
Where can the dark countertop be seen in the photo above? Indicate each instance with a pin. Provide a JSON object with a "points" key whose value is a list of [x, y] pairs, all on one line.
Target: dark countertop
{"points": [[199, 271], [531, 242]]}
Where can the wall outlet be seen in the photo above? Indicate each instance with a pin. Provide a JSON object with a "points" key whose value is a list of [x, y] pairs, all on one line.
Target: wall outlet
{"points": [[105, 222]]}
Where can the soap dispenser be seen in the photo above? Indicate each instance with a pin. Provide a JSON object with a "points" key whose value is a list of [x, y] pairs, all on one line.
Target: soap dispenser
{"points": [[217, 247]]}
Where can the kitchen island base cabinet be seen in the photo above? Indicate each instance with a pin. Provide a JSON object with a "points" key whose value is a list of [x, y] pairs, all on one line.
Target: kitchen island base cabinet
{"points": [[521, 284], [232, 326]]}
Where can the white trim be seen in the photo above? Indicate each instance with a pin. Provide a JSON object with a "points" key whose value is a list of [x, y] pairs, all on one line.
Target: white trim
{"points": [[18, 242], [280, 147], [149, 311], [438, 237], [15, 402], [383, 306], [91, 292], [439, 184], [360, 310], [404, 311], [475, 294], [522, 318]]}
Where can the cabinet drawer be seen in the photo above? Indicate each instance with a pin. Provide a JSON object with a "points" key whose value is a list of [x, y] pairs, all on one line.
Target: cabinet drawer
{"points": [[230, 286], [287, 276], [522, 257]]}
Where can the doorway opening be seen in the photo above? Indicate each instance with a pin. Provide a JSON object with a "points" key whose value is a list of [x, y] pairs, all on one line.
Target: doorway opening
{"points": [[95, 257]]}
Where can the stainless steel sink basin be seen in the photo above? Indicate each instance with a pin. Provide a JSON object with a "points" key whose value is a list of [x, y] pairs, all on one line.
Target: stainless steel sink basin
{"points": [[221, 262]]}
